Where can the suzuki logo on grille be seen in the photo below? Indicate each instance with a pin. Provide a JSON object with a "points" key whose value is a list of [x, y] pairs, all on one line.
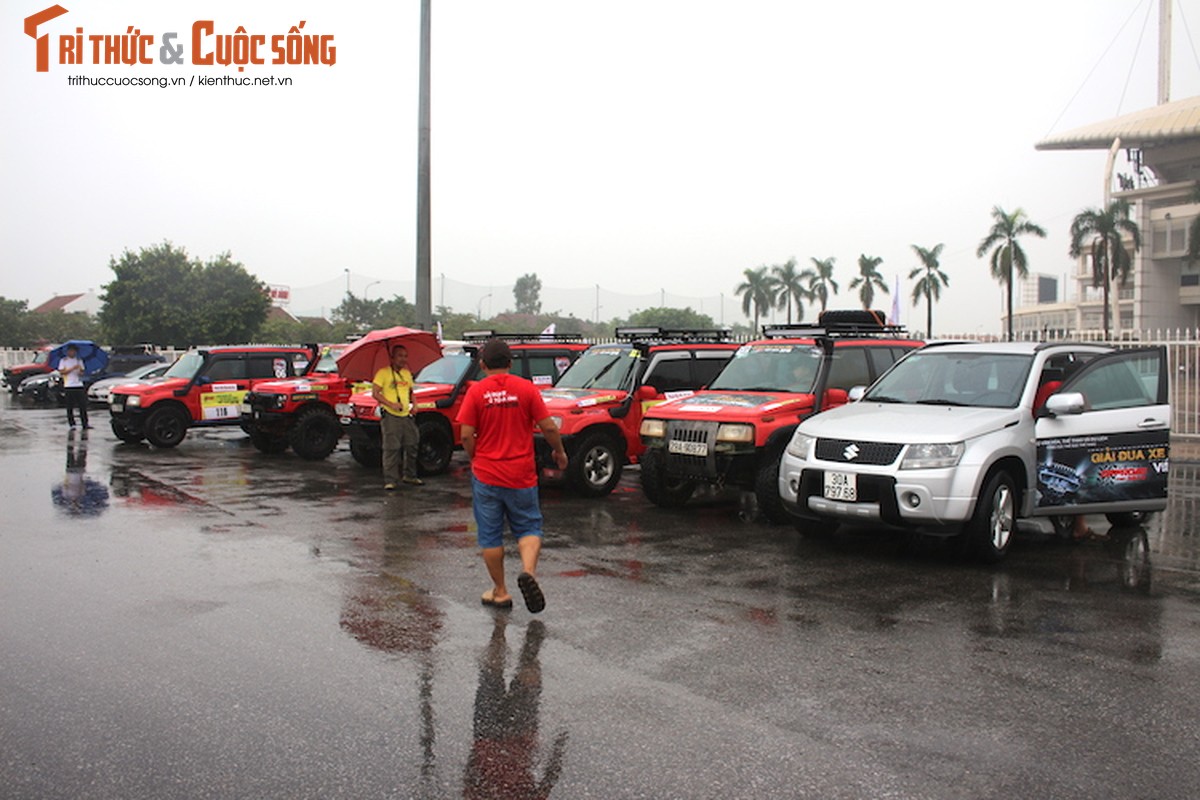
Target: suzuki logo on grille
{"points": [[851, 452]]}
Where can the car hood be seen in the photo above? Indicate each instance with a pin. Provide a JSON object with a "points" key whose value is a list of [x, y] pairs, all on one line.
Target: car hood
{"points": [[166, 384], [886, 422], [580, 398], [703, 405]]}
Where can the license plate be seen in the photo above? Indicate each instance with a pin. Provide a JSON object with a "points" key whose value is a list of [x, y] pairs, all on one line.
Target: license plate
{"points": [[688, 448], [246, 408], [117, 408], [841, 486]]}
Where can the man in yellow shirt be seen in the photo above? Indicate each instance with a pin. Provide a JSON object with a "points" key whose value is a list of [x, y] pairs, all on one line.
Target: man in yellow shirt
{"points": [[392, 388]]}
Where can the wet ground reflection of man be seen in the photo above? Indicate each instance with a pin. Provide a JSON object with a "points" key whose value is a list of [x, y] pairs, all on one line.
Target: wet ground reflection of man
{"points": [[79, 495], [502, 762]]}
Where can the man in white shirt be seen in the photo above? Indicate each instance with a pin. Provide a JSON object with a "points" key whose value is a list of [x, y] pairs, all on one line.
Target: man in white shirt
{"points": [[71, 369]]}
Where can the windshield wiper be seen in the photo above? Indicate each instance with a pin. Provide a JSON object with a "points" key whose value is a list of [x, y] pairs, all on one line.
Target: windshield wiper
{"points": [[883, 398], [941, 401]]}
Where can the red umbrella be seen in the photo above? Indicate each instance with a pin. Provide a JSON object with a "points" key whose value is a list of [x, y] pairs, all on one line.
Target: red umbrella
{"points": [[361, 360]]}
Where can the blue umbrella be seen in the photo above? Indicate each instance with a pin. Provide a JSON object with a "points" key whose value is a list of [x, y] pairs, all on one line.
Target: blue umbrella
{"points": [[93, 356]]}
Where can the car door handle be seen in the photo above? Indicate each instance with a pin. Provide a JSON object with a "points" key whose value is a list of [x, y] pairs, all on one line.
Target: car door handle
{"points": [[1151, 423]]}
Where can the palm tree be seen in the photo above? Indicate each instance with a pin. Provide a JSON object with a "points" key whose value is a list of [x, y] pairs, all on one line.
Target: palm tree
{"points": [[822, 280], [792, 286], [1106, 229], [868, 279], [1007, 254], [932, 279], [757, 290]]}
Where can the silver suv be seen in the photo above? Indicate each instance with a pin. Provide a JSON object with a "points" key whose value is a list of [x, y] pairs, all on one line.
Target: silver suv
{"points": [[972, 438]]}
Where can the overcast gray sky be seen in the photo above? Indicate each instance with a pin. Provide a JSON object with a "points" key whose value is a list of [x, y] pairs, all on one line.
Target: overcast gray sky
{"points": [[655, 148]]}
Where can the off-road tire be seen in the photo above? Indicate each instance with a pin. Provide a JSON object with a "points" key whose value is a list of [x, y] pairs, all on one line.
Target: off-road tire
{"points": [[124, 434], [766, 491], [267, 443], [435, 447], [315, 433], [365, 454], [166, 426], [595, 467], [659, 487]]}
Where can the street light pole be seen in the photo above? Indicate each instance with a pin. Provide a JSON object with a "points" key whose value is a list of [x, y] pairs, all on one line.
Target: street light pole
{"points": [[368, 289], [347, 271], [424, 248]]}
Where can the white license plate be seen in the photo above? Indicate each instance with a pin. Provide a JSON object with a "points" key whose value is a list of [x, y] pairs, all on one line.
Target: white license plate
{"points": [[841, 486], [246, 408], [117, 408], [344, 410], [688, 448]]}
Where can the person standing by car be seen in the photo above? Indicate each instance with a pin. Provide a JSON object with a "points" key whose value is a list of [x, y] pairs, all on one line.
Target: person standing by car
{"points": [[392, 387], [497, 418], [71, 369]]}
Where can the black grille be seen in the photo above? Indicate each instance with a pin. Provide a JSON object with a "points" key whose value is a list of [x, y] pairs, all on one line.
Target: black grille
{"points": [[876, 453], [690, 466]]}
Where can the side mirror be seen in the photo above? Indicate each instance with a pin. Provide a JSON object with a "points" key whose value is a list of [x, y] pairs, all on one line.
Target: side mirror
{"points": [[645, 392], [1065, 403], [203, 380], [856, 393], [835, 397]]}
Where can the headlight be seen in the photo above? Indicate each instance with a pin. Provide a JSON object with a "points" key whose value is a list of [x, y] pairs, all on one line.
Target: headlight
{"points": [[801, 445], [280, 400], [654, 428], [932, 456], [735, 432], [134, 400]]}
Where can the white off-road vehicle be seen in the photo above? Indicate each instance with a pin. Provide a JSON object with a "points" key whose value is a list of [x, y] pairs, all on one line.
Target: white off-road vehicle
{"points": [[974, 438]]}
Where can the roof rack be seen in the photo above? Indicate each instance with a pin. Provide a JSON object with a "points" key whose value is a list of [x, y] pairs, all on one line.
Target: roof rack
{"points": [[833, 329], [655, 333], [475, 336]]}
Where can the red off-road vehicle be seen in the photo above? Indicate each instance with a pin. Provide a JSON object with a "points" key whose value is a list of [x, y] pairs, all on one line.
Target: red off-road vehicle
{"points": [[15, 375], [598, 403], [300, 412], [439, 392], [734, 433], [203, 387]]}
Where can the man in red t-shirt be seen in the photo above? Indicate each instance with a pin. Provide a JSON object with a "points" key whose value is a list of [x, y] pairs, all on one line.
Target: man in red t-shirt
{"points": [[497, 417]]}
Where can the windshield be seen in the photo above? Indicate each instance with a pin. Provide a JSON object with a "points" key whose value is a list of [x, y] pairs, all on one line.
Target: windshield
{"points": [[447, 369], [142, 371], [985, 380], [771, 368], [601, 368], [42, 357], [186, 366]]}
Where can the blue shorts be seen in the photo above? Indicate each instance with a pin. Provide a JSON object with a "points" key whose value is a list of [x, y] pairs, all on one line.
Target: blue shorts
{"points": [[495, 503]]}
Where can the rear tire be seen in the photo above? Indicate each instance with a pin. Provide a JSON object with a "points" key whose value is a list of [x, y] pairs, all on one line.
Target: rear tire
{"points": [[267, 443], [990, 531], [659, 487], [315, 433], [166, 426], [124, 434], [595, 467], [365, 454], [434, 448]]}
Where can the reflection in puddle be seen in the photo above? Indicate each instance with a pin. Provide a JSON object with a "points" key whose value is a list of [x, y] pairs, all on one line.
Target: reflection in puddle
{"points": [[77, 494]]}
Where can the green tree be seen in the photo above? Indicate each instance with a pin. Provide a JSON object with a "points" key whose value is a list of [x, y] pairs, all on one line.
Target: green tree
{"points": [[397, 311], [14, 328], [526, 292], [930, 281], [665, 317], [59, 326], [454, 324], [821, 282], [757, 291], [160, 295], [358, 313], [793, 287], [868, 279], [1106, 229], [1007, 255]]}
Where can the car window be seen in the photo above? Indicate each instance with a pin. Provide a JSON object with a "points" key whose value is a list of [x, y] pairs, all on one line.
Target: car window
{"points": [[708, 365], [770, 366], [1122, 383], [226, 369], [669, 372], [937, 377], [849, 368], [271, 366], [540, 367]]}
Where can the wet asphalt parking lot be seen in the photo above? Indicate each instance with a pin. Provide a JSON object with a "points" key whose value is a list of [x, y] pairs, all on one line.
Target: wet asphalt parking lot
{"points": [[211, 622]]}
